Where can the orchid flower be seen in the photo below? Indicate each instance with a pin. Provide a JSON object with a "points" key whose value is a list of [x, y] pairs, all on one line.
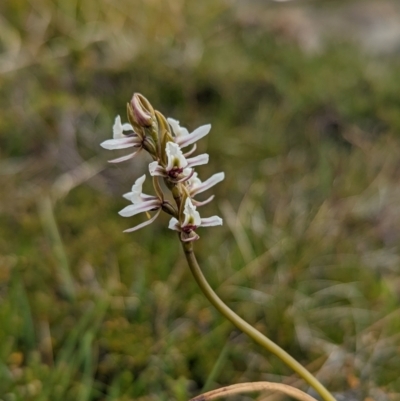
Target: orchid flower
{"points": [[191, 222], [122, 141], [182, 136], [196, 186], [177, 164], [140, 203]]}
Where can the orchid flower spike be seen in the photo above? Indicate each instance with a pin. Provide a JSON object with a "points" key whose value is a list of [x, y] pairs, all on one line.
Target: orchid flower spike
{"points": [[191, 222], [178, 168], [122, 141], [141, 203], [164, 139]]}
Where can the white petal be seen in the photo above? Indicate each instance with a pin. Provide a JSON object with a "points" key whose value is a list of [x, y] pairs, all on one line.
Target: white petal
{"points": [[135, 196], [175, 156], [128, 195], [198, 160], [144, 197], [148, 197], [131, 210], [120, 143], [197, 134], [152, 167], [202, 203], [177, 129], [174, 125], [198, 186], [146, 223], [124, 158], [188, 171], [195, 181], [211, 221], [191, 151], [187, 175], [127, 127], [156, 170], [138, 185], [117, 128], [174, 224], [192, 216]]}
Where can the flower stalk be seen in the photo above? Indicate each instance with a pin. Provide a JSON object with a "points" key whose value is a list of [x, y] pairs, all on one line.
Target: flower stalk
{"points": [[163, 139], [248, 329]]}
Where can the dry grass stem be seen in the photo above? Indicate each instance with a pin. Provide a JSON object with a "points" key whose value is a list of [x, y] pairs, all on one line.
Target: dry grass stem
{"points": [[252, 387]]}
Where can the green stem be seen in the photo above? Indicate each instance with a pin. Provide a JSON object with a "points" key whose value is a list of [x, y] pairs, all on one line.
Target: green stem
{"points": [[250, 330]]}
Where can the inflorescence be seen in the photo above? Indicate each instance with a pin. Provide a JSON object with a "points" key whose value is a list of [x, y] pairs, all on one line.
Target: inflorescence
{"points": [[164, 139]]}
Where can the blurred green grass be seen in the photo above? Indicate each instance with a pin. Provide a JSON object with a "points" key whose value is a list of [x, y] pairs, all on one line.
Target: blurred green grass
{"points": [[309, 249]]}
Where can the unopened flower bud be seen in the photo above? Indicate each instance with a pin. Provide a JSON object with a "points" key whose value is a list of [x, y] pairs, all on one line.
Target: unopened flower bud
{"points": [[142, 110]]}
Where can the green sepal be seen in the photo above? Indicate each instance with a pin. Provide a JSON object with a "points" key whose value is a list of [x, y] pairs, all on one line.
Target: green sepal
{"points": [[149, 145], [165, 135], [157, 189]]}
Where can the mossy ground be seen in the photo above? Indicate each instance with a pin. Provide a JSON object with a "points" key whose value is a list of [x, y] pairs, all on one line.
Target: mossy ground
{"points": [[309, 250]]}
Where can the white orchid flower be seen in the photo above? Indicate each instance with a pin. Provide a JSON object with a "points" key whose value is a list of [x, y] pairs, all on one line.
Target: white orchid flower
{"points": [[191, 222], [182, 136], [140, 203], [196, 186], [136, 195], [121, 140], [177, 164]]}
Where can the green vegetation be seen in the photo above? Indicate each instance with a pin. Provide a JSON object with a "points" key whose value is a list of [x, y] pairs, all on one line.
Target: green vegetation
{"points": [[309, 250]]}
